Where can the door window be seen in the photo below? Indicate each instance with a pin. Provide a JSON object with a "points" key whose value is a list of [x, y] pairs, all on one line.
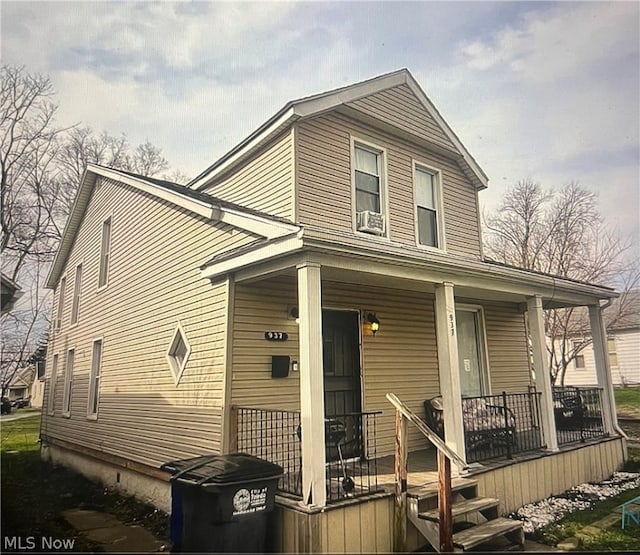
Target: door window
{"points": [[473, 373]]}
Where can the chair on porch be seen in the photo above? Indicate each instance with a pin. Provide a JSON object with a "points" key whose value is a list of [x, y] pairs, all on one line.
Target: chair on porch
{"points": [[484, 423]]}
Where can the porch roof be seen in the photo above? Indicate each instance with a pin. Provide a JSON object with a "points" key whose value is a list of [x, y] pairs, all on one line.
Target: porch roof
{"points": [[347, 257]]}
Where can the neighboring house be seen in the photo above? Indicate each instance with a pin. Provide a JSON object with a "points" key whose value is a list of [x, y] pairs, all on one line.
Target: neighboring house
{"points": [[332, 257], [20, 385], [623, 346], [38, 364], [11, 292]]}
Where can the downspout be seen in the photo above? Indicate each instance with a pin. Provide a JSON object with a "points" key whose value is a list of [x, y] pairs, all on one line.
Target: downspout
{"points": [[616, 427]]}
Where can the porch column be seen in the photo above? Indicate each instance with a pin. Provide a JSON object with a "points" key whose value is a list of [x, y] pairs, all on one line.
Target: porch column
{"points": [[448, 369], [539, 347], [311, 385], [603, 368]]}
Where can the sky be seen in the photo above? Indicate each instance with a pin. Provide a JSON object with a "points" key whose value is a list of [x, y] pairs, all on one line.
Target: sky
{"points": [[540, 90]]}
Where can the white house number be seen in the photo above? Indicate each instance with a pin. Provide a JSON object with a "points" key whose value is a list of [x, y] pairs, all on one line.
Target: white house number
{"points": [[276, 335]]}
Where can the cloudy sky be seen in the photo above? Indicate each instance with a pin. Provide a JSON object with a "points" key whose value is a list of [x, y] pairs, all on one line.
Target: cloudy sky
{"points": [[543, 90]]}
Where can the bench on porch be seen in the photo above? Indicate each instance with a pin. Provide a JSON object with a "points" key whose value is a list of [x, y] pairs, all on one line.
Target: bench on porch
{"points": [[484, 423]]}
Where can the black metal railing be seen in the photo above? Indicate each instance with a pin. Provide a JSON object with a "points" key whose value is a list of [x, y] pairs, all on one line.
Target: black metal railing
{"points": [[501, 426], [578, 413], [350, 441], [272, 435]]}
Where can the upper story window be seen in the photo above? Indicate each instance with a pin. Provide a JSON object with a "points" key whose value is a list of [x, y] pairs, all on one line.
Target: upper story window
{"points": [[428, 208], [105, 251], [369, 185], [63, 286], [613, 354], [75, 306]]}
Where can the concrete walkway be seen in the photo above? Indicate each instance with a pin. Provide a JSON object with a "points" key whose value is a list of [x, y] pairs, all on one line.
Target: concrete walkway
{"points": [[111, 534]]}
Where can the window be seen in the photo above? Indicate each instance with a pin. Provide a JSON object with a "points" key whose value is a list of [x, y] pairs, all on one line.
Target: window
{"points": [[427, 208], [105, 248], [368, 179], [75, 306], [52, 386], [94, 379], [472, 359], [580, 362], [178, 353], [613, 355], [63, 285], [579, 357], [68, 383]]}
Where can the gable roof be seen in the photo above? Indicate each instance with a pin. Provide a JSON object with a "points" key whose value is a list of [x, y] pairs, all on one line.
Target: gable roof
{"points": [[202, 204], [319, 103]]}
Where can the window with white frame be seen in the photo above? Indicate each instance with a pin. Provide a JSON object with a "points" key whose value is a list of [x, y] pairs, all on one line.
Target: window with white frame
{"points": [[368, 179], [68, 383], [105, 251], [62, 287], [52, 386], [94, 379], [428, 216], [178, 353], [75, 305], [579, 357]]}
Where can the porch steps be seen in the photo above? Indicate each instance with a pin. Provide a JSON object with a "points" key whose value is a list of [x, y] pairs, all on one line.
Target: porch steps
{"points": [[480, 504], [481, 518]]}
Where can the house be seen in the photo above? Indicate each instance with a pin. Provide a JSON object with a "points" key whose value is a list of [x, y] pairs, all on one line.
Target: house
{"points": [[331, 258], [623, 346], [11, 292]]}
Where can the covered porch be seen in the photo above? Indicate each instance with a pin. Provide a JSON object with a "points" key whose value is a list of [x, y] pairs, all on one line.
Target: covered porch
{"points": [[421, 325]]}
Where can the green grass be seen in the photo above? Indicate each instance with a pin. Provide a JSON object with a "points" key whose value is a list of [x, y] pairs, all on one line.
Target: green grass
{"points": [[34, 492], [613, 538], [627, 398]]}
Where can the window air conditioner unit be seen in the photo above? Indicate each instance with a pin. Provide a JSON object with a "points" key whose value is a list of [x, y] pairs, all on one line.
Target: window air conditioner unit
{"points": [[370, 222]]}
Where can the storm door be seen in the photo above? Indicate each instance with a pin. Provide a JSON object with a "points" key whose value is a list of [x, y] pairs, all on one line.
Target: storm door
{"points": [[341, 365], [471, 359]]}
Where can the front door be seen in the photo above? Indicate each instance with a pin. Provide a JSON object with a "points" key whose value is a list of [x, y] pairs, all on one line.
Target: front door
{"points": [[341, 365], [473, 378]]}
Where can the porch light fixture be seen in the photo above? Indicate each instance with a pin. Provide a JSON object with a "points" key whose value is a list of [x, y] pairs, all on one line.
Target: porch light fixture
{"points": [[294, 314], [373, 322]]}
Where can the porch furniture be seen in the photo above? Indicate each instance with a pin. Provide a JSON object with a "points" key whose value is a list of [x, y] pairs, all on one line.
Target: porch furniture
{"points": [[631, 511], [484, 423], [568, 408]]}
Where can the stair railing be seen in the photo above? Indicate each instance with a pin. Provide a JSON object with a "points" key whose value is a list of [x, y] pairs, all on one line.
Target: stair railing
{"points": [[445, 456]]}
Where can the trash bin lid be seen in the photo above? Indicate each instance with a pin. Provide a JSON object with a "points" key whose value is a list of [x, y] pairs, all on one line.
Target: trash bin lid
{"points": [[222, 469]]}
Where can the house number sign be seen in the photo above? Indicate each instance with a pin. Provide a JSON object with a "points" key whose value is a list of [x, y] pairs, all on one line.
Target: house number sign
{"points": [[276, 335]]}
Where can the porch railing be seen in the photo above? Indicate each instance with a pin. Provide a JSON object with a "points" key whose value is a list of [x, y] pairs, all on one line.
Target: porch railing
{"points": [[350, 439], [500, 426], [578, 413]]}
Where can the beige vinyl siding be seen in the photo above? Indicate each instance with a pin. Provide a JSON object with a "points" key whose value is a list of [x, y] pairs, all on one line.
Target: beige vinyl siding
{"points": [[400, 107], [263, 183], [324, 196], [507, 348], [154, 282], [401, 358]]}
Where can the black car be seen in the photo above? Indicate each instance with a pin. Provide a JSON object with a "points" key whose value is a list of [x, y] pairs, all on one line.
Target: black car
{"points": [[6, 406]]}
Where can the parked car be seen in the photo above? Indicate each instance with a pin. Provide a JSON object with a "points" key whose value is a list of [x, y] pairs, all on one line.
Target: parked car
{"points": [[21, 403], [6, 406]]}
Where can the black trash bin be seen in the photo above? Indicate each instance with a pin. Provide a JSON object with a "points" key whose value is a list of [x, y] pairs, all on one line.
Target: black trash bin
{"points": [[221, 503]]}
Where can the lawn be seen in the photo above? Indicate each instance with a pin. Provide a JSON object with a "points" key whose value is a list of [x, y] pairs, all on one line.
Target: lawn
{"points": [[34, 493], [628, 399]]}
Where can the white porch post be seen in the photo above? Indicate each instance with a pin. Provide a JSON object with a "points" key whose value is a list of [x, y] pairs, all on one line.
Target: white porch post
{"points": [[447, 337], [603, 369], [539, 346], [311, 385]]}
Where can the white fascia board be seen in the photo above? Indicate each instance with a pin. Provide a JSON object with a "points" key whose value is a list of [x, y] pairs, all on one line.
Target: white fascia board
{"points": [[260, 254], [202, 208], [256, 224], [73, 222], [270, 129]]}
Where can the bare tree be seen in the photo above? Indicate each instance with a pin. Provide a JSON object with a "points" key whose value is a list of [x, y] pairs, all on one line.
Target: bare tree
{"points": [[561, 233], [41, 167]]}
